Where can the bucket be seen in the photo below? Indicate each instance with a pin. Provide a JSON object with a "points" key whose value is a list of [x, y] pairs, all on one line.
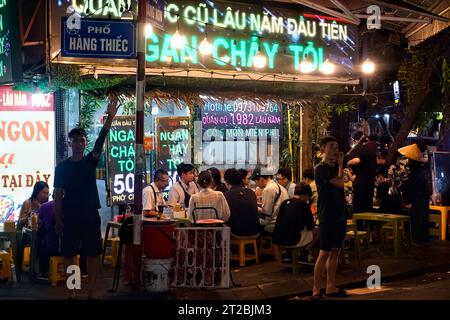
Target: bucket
{"points": [[158, 238], [156, 274]]}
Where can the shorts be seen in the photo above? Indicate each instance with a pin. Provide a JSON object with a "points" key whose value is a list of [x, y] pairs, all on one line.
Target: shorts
{"points": [[82, 235], [332, 235]]}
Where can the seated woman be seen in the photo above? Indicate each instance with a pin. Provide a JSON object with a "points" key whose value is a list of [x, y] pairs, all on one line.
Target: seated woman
{"points": [[208, 198], [244, 219], [30, 207], [295, 225], [217, 184]]}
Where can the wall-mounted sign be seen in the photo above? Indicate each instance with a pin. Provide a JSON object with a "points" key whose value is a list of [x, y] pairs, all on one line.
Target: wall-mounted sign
{"points": [[396, 93], [27, 147], [155, 13], [120, 160], [173, 144], [285, 34], [10, 47], [99, 39], [238, 132]]}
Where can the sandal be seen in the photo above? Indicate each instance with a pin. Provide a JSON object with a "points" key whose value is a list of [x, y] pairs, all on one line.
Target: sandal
{"points": [[318, 296], [341, 293]]}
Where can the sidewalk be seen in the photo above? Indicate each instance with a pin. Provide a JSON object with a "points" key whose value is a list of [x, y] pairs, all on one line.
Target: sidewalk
{"points": [[268, 280]]}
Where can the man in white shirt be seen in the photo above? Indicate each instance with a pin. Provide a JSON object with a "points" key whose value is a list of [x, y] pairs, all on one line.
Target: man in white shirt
{"points": [[152, 196], [284, 176], [182, 190], [272, 197]]}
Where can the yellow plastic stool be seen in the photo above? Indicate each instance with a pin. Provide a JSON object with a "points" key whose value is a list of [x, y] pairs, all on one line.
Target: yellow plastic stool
{"points": [[5, 266], [26, 258], [55, 274], [114, 250], [242, 257]]}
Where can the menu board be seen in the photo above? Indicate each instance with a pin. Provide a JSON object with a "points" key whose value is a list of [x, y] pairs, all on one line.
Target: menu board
{"points": [[240, 118], [120, 160], [240, 133], [201, 258], [27, 147], [173, 144]]}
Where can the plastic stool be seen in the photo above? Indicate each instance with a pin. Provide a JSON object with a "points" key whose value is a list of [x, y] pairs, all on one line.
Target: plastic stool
{"points": [[5, 269], [114, 250], [55, 262], [272, 250], [242, 257], [295, 258], [26, 258], [361, 236]]}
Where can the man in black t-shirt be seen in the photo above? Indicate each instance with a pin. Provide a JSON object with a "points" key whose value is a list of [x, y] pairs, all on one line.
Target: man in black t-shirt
{"points": [[77, 201], [363, 164], [329, 177]]}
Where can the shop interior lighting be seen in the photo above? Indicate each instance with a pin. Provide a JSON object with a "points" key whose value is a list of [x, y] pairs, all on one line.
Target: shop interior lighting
{"points": [[148, 30], [327, 67], [259, 60], [178, 41], [368, 66], [306, 66], [205, 46]]}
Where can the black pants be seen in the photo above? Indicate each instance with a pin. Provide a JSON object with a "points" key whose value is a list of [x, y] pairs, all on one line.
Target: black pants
{"points": [[420, 216], [363, 198], [44, 254]]}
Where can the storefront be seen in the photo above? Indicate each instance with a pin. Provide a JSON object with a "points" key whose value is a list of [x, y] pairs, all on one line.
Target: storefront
{"points": [[226, 75]]}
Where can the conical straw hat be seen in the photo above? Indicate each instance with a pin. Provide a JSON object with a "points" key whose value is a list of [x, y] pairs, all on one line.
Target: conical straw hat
{"points": [[412, 152]]}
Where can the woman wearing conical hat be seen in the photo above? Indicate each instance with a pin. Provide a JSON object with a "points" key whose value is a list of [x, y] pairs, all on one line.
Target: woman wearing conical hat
{"points": [[416, 193]]}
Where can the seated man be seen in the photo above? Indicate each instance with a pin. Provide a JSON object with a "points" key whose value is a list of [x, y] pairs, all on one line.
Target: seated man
{"points": [[48, 240], [152, 197], [244, 219], [295, 225]]}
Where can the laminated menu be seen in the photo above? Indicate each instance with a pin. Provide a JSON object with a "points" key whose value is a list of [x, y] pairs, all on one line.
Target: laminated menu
{"points": [[202, 258]]}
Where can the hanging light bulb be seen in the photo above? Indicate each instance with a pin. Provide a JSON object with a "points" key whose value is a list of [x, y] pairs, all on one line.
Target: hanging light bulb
{"points": [[259, 60], [205, 47], [178, 41], [368, 66], [148, 30], [327, 67], [306, 65]]}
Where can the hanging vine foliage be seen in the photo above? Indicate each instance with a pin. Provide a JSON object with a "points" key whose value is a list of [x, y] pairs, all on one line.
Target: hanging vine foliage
{"points": [[67, 76]]}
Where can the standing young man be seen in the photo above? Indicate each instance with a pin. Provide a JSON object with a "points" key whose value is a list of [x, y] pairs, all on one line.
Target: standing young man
{"points": [[329, 177], [77, 201], [181, 191]]}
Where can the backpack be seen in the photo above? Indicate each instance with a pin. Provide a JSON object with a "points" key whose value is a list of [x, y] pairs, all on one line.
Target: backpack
{"points": [[126, 230]]}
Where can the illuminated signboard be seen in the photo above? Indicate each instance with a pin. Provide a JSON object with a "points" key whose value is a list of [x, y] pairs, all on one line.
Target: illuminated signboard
{"points": [[120, 160], [10, 63], [27, 147], [234, 128], [238, 31], [173, 143]]}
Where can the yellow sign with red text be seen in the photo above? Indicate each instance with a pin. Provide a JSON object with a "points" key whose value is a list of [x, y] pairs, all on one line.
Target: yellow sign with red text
{"points": [[27, 147]]}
